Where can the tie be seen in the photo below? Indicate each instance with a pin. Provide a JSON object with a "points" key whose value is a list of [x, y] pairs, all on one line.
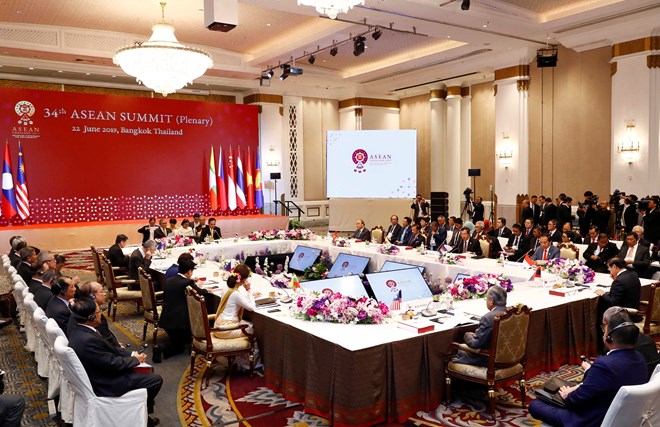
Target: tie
{"points": [[515, 241], [593, 240], [465, 246], [500, 233], [545, 254]]}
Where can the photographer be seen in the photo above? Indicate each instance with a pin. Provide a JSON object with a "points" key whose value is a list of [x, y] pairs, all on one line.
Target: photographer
{"points": [[601, 217], [629, 216], [11, 407], [585, 212], [478, 214], [420, 208]]}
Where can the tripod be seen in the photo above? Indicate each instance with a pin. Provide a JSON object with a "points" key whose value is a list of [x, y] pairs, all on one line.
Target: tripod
{"points": [[467, 208], [491, 216]]}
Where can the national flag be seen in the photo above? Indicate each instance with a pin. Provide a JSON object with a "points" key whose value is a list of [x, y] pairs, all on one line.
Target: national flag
{"points": [[445, 248], [213, 188], [258, 192], [529, 260], [222, 185], [231, 182], [8, 199], [536, 275], [22, 199], [240, 187], [248, 180], [295, 283], [396, 302]]}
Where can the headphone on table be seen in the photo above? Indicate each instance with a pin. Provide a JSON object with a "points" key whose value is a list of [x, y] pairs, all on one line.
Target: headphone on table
{"points": [[608, 338]]}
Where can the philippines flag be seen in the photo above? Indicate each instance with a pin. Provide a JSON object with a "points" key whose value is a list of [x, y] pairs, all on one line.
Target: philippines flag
{"points": [[213, 188], [258, 193], [240, 188], [222, 185], [8, 199], [231, 182], [21, 189], [249, 181]]}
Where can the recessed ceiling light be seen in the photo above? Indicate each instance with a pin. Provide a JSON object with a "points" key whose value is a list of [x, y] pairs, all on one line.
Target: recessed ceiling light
{"points": [[114, 76], [60, 71], [87, 74], [30, 68], [448, 37], [268, 25], [19, 12]]}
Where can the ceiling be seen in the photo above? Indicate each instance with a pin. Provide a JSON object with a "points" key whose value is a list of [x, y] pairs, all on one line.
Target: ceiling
{"points": [[425, 43]]}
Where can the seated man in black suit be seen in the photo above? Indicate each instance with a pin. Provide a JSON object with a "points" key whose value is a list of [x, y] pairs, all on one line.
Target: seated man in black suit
{"points": [[42, 292], [25, 268], [406, 231], [635, 255], [416, 239], [394, 230], [162, 230], [599, 253], [501, 230], [437, 237], [625, 290], [592, 236], [115, 253], [480, 339], [640, 234], [141, 257], [517, 246], [57, 309], [572, 235], [110, 369], [467, 244], [148, 230], [361, 232], [210, 231], [17, 243]]}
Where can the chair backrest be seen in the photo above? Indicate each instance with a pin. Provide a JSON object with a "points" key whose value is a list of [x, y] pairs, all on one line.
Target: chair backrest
{"points": [[377, 234], [199, 323], [73, 370], [636, 405], [108, 274], [148, 294], [52, 332], [97, 264], [40, 320], [654, 304], [484, 242], [509, 338], [569, 251]]}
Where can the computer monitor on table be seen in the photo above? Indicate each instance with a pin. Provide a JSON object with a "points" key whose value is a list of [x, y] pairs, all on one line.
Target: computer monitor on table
{"points": [[348, 285], [391, 266], [460, 276], [303, 257], [386, 285], [346, 265]]}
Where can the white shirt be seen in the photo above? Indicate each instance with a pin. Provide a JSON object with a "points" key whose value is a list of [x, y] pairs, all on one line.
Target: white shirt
{"points": [[185, 232], [631, 255], [240, 298]]}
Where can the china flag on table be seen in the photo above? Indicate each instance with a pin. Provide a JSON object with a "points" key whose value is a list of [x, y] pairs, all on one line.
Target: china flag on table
{"points": [[222, 185], [248, 180], [240, 187], [231, 182], [8, 199], [22, 200], [258, 193], [213, 189]]}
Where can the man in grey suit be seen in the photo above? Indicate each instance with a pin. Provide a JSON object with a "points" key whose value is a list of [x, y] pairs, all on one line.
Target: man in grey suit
{"points": [[496, 304]]}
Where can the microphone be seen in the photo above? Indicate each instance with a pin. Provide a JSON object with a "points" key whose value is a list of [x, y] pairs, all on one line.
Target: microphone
{"points": [[144, 347], [287, 299], [427, 312]]}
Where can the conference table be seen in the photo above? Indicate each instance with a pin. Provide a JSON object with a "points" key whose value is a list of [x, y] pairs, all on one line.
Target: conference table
{"points": [[361, 375]]}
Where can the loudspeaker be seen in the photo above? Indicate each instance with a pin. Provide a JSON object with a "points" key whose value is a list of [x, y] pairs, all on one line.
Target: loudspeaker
{"points": [[439, 204], [546, 57], [275, 175], [220, 15], [474, 172]]}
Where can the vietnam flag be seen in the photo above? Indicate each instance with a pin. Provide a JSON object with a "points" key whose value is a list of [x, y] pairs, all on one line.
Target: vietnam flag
{"points": [[8, 198], [231, 182], [240, 187], [222, 185], [258, 193], [248, 180], [213, 189]]}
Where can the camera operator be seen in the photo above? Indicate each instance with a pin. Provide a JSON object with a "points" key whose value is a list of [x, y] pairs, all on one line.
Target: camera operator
{"points": [[478, 210], [601, 217], [629, 216], [11, 407], [585, 212]]}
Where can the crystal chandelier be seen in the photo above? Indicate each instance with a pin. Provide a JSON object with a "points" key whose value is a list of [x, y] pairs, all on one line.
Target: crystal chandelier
{"points": [[331, 8], [163, 64]]}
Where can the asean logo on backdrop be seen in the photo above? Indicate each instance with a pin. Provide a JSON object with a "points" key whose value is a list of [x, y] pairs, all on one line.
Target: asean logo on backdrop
{"points": [[25, 129], [392, 285], [360, 157]]}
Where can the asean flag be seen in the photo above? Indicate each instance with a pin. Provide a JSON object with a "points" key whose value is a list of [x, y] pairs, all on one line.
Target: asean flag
{"points": [[258, 193], [8, 198], [249, 180]]}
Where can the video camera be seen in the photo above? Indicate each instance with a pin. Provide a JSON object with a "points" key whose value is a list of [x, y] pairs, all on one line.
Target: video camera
{"points": [[467, 192], [614, 198]]}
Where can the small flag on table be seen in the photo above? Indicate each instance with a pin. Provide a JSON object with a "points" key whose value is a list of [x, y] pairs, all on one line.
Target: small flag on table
{"points": [[249, 180], [529, 260], [8, 198], [536, 275], [396, 302], [295, 283], [445, 248]]}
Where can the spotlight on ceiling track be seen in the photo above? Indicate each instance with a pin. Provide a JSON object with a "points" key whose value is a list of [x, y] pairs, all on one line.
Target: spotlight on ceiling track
{"points": [[270, 73], [286, 71], [311, 59], [377, 33], [465, 5], [334, 51], [358, 45]]}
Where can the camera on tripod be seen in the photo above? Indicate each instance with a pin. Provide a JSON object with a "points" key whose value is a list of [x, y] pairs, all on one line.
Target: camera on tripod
{"points": [[467, 192]]}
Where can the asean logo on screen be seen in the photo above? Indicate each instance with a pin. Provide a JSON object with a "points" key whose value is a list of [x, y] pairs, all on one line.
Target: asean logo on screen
{"points": [[360, 157], [25, 128], [392, 285]]}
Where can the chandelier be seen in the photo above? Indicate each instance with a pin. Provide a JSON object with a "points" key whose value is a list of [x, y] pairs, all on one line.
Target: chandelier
{"points": [[331, 8], [163, 64]]}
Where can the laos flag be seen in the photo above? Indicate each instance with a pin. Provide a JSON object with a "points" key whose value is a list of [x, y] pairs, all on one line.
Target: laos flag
{"points": [[8, 198]]}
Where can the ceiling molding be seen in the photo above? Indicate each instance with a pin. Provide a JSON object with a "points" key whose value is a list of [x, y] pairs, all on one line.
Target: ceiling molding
{"points": [[368, 102]]}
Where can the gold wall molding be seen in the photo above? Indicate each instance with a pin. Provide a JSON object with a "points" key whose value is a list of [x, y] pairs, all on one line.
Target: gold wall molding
{"points": [[454, 91], [368, 102], [439, 94], [613, 68], [263, 98], [522, 85], [653, 61], [511, 72], [465, 91], [636, 46]]}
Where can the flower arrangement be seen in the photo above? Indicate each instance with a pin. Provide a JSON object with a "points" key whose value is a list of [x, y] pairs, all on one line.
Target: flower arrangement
{"points": [[228, 264], [277, 234], [571, 269], [341, 243], [316, 272], [477, 286], [449, 259], [281, 280], [337, 308], [388, 249]]}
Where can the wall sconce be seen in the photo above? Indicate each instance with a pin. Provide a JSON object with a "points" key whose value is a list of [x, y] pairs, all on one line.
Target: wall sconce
{"points": [[505, 152], [629, 145], [272, 161]]}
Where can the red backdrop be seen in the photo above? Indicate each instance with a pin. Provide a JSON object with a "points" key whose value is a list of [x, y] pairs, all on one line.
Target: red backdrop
{"points": [[100, 157]]}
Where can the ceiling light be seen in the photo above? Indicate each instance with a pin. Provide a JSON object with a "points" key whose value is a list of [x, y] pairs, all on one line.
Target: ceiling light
{"points": [[286, 70], [358, 45], [270, 73], [334, 51], [331, 8], [162, 63], [465, 5], [377, 33], [311, 59]]}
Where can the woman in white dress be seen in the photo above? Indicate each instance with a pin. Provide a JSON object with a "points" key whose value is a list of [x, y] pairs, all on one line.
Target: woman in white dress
{"points": [[185, 230], [234, 302]]}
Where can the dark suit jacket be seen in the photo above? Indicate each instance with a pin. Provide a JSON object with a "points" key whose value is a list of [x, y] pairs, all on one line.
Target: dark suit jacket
{"points": [[455, 238], [549, 212], [472, 246], [601, 220], [421, 210], [523, 247], [588, 404], [480, 339], [108, 367], [563, 216], [58, 310], [25, 271], [103, 329], [642, 259], [574, 237], [363, 234], [175, 308], [416, 240], [42, 295], [624, 292], [506, 232], [600, 265], [117, 257], [587, 241], [214, 233], [159, 233], [14, 258], [396, 232], [440, 237], [145, 233], [137, 260], [435, 240], [652, 225], [556, 236], [526, 213], [537, 212], [630, 216], [405, 235], [478, 214]]}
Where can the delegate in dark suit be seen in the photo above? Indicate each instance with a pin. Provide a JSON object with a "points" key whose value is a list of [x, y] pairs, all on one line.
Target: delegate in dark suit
{"points": [[504, 232], [523, 248], [395, 231], [630, 216], [478, 214], [480, 339], [554, 236], [472, 245], [160, 233], [652, 225], [601, 220], [110, 368], [416, 240], [25, 270], [362, 234], [588, 404], [136, 261], [102, 329], [549, 212], [58, 310], [42, 294], [117, 257], [624, 292], [563, 216], [437, 239], [14, 259], [420, 209], [527, 213], [146, 232], [553, 253], [208, 232], [599, 264], [642, 260]]}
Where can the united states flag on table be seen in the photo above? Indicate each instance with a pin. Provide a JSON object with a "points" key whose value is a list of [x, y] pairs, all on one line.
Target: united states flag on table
{"points": [[396, 302], [22, 200]]}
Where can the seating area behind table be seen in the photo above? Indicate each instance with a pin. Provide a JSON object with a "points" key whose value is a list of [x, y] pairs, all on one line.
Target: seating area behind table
{"points": [[117, 288]]}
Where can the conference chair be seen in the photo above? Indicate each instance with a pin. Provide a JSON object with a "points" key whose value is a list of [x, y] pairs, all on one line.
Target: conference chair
{"points": [[98, 270], [569, 251], [377, 234], [651, 323], [29, 308], [636, 405], [152, 308], [57, 385], [41, 355], [506, 356], [129, 409], [117, 291], [210, 346]]}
